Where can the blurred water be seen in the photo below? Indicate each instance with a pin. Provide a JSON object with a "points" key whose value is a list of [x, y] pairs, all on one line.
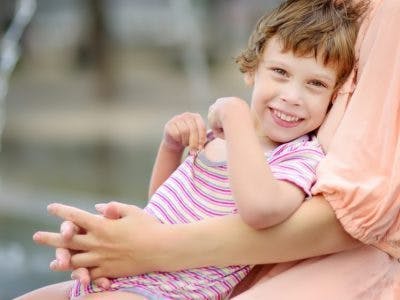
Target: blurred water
{"points": [[95, 169], [23, 265], [80, 176]]}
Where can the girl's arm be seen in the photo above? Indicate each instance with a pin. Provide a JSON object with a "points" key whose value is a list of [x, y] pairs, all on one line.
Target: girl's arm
{"points": [[262, 200], [187, 129], [166, 162]]}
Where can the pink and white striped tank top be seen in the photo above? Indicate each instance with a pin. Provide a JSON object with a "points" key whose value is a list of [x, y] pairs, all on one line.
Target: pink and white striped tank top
{"points": [[198, 189]]}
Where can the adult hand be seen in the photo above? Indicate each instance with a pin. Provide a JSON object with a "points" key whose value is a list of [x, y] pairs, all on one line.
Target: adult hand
{"points": [[108, 248], [63, 255]]}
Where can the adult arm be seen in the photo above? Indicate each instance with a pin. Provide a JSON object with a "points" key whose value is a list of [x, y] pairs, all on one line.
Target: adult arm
{"points": [[121, 247], [311, 231]]}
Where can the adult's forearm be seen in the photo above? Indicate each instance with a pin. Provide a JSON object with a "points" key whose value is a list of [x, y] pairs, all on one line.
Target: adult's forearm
{"points": [[311, 231], [122, 247]]}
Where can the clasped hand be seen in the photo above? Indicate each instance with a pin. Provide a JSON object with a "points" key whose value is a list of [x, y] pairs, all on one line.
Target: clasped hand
{"points": [[94, 246]]}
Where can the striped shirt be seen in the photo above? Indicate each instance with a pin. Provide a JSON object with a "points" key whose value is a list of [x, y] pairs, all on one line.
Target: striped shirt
{"points": [[199, 189]]}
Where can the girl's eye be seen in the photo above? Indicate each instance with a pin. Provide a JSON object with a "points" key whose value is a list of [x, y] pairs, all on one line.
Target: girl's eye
{"points": [[318, 83], [279, 71]]}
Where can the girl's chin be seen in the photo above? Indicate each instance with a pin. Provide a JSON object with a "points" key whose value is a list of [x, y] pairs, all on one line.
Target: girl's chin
{"points": [[281, 139]]}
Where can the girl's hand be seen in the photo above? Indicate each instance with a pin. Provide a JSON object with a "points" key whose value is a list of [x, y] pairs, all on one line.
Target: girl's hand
{"points": [[107, 248], [185, 130], [218, 111]]}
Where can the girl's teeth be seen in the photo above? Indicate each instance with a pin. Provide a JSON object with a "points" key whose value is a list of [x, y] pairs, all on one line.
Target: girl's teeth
{"points": [[285, 117]]}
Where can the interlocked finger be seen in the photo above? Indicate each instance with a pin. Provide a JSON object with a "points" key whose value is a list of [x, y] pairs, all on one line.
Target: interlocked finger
{"points": [[55, 240]]}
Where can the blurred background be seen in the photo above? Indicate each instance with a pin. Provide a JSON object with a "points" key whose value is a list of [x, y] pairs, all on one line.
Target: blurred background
{"points": [[86, 87]]}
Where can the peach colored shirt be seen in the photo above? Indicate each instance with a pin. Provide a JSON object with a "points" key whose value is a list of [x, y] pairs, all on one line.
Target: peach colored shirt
{"points": [[360, 176]]}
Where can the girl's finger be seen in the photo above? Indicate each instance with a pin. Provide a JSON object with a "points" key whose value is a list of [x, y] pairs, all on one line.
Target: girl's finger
{"points": [[193, 133], [201, 131], [63, 257], [96, 272], [110, 210], [68, 229], [103, 282], [81, 274], [183, 131]]}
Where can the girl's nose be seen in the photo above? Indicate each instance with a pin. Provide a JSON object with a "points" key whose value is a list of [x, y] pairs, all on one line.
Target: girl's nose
{"points": [[292, 93]]}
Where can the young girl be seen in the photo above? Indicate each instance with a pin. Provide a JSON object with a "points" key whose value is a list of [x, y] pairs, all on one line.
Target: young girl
{"points": [[298, 56]]}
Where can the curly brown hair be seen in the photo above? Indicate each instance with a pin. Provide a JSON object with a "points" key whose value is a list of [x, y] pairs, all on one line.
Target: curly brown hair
{"points": [[324, 28]]}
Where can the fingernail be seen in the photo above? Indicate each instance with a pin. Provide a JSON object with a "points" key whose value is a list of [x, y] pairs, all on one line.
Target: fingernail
{"points": [[53, 264], [100, 205], [73, 276], [36, 236], [51, 207], [103, 285]]}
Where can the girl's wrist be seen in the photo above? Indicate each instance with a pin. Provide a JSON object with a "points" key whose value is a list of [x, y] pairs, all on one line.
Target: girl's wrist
{"points": [[172, 148]]}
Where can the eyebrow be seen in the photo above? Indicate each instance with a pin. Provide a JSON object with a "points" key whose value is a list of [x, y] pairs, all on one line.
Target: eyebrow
{"points": [[324, 77], [320, 76]]}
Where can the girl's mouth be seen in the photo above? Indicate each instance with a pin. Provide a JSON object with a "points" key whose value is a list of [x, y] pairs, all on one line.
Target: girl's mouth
{"points": [[284, 119]]}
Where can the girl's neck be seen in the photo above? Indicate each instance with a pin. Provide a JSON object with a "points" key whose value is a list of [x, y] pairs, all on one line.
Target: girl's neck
{"points": [[267, 144]]}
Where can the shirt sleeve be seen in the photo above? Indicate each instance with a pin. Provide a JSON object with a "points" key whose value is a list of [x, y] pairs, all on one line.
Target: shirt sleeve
{"points": [[360, 176], [296, 163]]}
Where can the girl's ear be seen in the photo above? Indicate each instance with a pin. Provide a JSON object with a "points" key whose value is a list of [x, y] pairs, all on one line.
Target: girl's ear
{"points": [[249, 78]]}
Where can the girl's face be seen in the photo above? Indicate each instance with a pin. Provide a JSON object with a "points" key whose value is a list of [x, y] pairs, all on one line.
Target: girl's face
{"points": [[290, 95]]}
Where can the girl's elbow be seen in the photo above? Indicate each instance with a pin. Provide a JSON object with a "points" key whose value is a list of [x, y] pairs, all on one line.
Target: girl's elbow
{"points": [[263, 217], [255, 219]]}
